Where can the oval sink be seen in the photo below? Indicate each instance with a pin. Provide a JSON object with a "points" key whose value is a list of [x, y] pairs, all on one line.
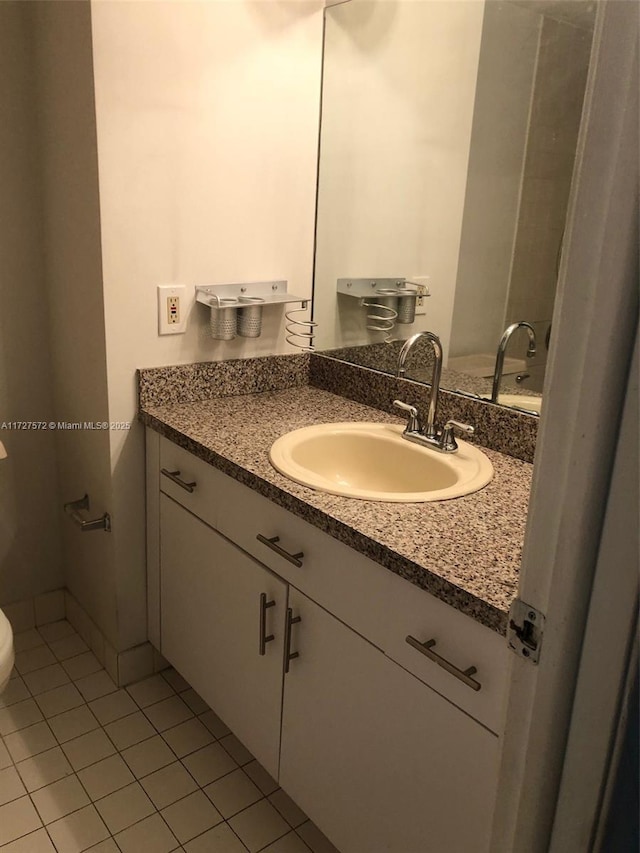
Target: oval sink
{"points": [[372, 461], [522, 401]]}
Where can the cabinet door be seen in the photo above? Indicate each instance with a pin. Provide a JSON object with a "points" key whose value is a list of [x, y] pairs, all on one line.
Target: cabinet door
{"points": [[210, 627], [378, 760]]}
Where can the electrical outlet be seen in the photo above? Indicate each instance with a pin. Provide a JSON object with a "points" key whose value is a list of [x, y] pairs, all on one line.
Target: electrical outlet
{"points": [[171, 309], [421, 308]]}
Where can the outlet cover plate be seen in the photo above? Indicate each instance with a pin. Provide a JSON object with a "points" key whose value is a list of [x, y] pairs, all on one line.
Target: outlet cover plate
{"points": [[421, 307]]}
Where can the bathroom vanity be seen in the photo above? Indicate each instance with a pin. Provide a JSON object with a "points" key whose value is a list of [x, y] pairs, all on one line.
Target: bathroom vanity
{"points": [[305, 619]]}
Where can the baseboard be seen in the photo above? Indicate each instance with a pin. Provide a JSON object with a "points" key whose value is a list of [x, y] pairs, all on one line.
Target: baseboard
{"points": [[32, 612], [124, 667]]}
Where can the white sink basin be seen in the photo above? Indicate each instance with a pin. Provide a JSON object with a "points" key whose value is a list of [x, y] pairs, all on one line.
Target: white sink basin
{"points": [[373, 462], [522, 401]]}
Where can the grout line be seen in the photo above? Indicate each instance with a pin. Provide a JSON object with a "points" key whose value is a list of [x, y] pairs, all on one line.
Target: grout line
{"points": [[119, 752], [50, 838]]}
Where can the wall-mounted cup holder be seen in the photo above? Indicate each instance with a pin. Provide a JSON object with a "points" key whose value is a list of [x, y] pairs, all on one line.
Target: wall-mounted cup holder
{"points": [[236, 309], [388, 300]]}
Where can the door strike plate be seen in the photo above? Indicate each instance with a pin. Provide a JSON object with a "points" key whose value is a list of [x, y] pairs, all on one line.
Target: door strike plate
{"points": [[525, 631]]}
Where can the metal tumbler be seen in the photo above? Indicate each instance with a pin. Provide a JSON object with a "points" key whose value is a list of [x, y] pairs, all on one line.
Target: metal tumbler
{"points": [[224, 318], [406, 306], [250, 316]]}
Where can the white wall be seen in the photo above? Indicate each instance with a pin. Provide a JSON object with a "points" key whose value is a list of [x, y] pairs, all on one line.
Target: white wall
{"points": [[398, 97], [179, 144], [207, 126], [30, 558], [74, 285]]}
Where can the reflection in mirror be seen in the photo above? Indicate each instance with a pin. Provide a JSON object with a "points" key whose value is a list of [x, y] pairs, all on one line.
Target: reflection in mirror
{"points": [[449, 133]]}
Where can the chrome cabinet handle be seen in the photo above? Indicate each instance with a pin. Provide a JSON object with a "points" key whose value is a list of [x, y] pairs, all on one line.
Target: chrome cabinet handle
{"points": [[288, 654], [174, 476], [296, 559], [463, 674], [264, 639]]}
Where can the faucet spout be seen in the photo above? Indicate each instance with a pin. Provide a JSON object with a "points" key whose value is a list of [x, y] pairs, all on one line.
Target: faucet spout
{"points": [[429, 436], [430, 430], [502, 348]]}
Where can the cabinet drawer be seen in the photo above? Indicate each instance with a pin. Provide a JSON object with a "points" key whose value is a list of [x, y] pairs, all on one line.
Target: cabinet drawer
{"points": [[203, 496], [459, 641]]}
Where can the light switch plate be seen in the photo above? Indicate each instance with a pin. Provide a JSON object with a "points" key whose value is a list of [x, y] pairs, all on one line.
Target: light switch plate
{"points": [[172, 309]]}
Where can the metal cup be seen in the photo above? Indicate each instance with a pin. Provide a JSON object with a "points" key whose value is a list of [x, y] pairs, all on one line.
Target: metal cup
{"points": [[224, 322], [406, 306], [387, 297], [250, 316]]}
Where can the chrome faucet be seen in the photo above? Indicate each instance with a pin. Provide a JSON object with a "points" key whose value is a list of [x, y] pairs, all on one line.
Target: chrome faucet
{"points": [[429, 435], [502, 347], [434, 340]]}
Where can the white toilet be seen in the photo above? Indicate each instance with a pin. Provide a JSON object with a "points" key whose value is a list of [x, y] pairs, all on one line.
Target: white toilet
{"points": [[7, 655]]}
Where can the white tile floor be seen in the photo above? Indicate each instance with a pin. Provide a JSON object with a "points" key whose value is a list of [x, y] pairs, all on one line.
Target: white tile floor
{"points": [[149, 769]]}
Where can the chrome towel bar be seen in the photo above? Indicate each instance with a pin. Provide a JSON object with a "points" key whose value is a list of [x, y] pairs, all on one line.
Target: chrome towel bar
{"points": [[73, 508]]}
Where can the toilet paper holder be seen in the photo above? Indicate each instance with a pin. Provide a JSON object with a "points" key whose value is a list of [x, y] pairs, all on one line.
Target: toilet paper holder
{"points": [[73, 508]]}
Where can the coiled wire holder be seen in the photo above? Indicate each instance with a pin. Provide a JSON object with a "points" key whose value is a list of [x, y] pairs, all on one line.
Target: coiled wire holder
{"points": [[388, 301], [305, 330], [236, 309], [382, 312]]}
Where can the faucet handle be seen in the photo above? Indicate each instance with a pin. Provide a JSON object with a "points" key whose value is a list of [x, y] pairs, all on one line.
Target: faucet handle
{"points": [[413, 424], [448, 441]]}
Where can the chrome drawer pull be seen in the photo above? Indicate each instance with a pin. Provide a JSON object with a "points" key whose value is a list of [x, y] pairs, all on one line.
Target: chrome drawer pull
{"points": [[174, 476], [288, 654], [463, 674], [296, 559], [264, 639]]}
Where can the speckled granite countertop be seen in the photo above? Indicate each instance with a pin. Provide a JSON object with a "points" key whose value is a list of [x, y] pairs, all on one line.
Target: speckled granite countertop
{"points": [[465, 551]]}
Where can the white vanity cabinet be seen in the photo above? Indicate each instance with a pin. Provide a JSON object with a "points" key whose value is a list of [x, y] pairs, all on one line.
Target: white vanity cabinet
{"points": [[369, 751], [387, 751]]}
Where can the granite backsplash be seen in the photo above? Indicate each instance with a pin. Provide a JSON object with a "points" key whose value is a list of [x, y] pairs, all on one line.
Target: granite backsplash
{"points": [[496, 427]]}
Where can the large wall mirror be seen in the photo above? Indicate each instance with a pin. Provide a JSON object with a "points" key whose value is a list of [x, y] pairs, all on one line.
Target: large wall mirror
{"points": [[448, 140]]}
